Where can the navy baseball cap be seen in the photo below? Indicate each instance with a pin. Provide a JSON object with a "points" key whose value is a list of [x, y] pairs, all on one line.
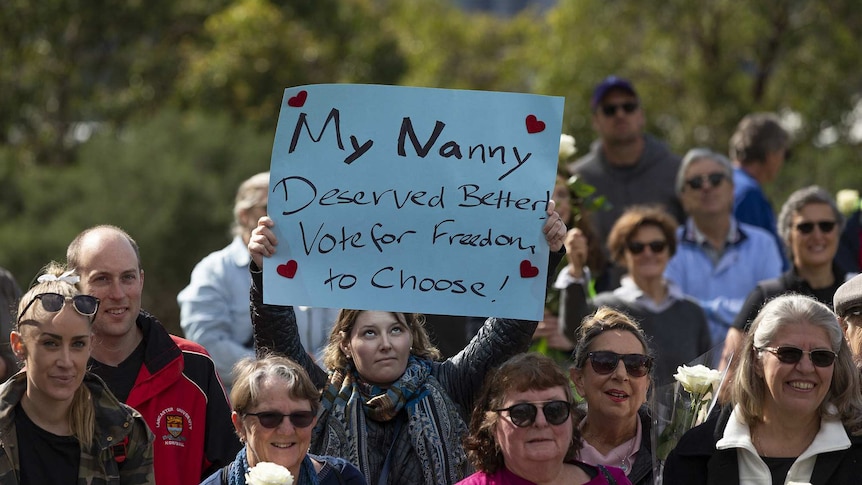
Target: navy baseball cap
{"points": [[608, 83]]}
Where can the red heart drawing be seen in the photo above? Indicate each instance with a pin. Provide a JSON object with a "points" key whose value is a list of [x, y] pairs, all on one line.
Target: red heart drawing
{"points": [[528, 270], [289, 270], [534, 125], [299, 100]]}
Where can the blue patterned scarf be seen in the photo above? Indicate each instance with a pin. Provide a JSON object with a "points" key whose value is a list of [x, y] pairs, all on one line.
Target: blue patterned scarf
{"points": [[239, 467], [434, 430]]}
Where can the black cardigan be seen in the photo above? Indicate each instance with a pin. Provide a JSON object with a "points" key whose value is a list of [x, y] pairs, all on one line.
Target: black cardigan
{"points": [[695, 460]]}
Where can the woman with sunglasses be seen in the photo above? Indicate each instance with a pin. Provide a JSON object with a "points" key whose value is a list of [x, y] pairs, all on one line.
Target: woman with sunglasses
{"points": [[642, 241], [611, 371], [809, 224], [795, 413], [275, 407], [59, 423], [390, 405], [523, 430]]}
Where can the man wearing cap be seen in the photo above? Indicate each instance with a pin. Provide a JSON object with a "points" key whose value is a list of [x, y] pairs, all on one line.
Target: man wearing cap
{"points": [[848, 306], [625, 164]]}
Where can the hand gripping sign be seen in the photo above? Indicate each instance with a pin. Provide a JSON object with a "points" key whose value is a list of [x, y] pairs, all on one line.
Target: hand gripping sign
{"points": [[412, 199]]}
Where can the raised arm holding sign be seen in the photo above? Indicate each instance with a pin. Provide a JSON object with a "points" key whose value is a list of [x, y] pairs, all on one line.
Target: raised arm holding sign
{"points": [[393, 200]]}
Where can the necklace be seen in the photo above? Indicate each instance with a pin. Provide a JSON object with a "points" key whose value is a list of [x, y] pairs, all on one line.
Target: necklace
{"points": [[624, 466]]}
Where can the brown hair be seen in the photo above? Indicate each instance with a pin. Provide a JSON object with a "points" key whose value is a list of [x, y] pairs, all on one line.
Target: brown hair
{"points": [[523, 372], [631, 221], [604, 319], [73, 252], [334, 358]]}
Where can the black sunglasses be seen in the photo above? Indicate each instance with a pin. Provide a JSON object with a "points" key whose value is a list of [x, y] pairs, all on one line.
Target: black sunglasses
{"points": [[524, 414], [272, 419], [792, 355], [53, 302], [656, 247], [610, 109], [808, 227], [605, 362], [715, 179]]}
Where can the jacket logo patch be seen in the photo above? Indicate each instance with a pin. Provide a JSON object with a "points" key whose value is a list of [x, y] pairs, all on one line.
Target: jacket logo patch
{"points": [[173, 425]]}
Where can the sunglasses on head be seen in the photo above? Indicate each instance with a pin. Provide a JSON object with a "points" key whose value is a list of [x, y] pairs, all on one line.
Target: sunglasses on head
{"points": [[656, 247], [272, 419], [605, 362], [715, 179], [792, 355], [524, 414], [808, 227], [610, 109], [53, 302]]}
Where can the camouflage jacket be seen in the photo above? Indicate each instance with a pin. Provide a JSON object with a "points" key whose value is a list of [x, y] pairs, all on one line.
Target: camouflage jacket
{"points": [[122, 448]]}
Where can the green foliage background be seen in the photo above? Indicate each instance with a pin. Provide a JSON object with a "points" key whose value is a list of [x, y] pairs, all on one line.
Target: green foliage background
{"points": [[148, 114]]}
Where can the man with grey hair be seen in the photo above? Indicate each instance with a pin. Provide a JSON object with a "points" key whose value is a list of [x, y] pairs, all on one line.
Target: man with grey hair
{"points": [[214, 308], [718, 260], [759, 147]]}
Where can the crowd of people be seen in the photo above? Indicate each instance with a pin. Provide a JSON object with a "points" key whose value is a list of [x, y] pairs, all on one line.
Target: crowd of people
{"points": [[689, 258]]}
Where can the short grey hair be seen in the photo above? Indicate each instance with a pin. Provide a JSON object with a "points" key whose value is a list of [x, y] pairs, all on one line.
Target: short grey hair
{"points": [[253, 192], [696, 154], [798, 200]]}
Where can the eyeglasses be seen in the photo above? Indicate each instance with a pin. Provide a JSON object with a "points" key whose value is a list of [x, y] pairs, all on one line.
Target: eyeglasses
{"points": [[808, 227], [715, 179], [53, 302], [656, 247], [605, 362], [272, 419], [524, 414], [611, 109], [792, 355]]}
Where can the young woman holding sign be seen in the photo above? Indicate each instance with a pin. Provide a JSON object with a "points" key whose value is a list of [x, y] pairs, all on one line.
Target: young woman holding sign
{"points": [[388, 404]]}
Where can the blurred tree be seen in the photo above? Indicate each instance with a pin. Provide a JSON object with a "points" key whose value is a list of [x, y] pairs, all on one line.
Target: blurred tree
{"points": [[256, 48], [700, 67], [67, 65], [168, 180]]}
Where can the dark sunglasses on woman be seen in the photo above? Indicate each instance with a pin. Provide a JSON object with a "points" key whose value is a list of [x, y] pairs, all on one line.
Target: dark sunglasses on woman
{"points": [[792, 355], [605, 362], [656, 247], [272, 419], [86, 305], [524, 414], [715, 179], [808, 227]]}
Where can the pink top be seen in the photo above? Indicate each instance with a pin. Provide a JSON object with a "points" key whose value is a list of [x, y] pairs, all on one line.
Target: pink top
{"points": [[505, 477]]}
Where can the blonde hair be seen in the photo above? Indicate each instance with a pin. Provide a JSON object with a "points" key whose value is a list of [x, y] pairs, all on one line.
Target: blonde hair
{"points": [[81, 413]]}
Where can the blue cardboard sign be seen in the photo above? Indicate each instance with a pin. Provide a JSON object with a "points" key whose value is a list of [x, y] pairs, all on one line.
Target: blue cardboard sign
{"points": [[409, 199]]}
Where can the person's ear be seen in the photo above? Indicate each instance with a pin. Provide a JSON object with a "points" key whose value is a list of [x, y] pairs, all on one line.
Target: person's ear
{"points": [[237, 425], [577, 377], [16, 342]]}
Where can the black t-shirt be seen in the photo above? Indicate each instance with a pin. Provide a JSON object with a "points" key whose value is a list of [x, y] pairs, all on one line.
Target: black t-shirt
{"points": [[779, 467], [121, 379], [45, 457]]}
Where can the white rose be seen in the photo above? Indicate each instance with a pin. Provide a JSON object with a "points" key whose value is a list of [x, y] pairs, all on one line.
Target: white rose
{"points": [[567, 147], [847, 200], [266, 473], [697, 380]]}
